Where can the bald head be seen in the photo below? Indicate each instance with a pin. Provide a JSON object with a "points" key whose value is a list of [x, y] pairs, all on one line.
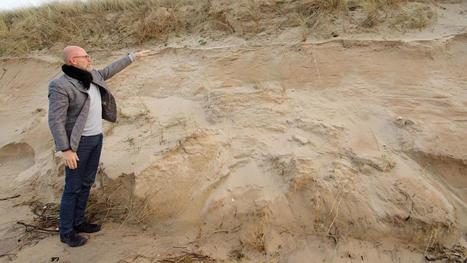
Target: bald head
{"points": [[77, 57], [72, 51]]}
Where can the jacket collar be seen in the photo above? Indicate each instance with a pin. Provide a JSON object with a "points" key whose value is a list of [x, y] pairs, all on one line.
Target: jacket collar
{"points": [[96, 80], [76, 83], [84, 77]]}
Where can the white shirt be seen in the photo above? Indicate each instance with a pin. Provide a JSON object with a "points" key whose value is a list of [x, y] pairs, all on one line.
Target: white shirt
{"points": [[93, 124]]}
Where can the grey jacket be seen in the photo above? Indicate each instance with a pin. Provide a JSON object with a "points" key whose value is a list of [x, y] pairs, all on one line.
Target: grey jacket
{"points": [[69, 104]]}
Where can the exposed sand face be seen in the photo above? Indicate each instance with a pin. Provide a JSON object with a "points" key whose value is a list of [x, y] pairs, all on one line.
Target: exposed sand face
{"points": [[304, 130], [280, 150]]}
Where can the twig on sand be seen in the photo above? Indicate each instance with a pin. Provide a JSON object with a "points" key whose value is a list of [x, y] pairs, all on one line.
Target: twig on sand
{"points": [[187, 257], [10, 197], [225, 231], [3, 74], [7, 254], [30, 228], [334, 237]]}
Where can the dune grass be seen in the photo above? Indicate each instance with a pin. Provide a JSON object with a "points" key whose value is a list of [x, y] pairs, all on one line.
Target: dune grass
{"points": [[113, 24]]}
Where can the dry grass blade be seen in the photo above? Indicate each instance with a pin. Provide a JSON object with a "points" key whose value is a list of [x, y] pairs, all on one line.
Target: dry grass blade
{"points": [[188, 257]]}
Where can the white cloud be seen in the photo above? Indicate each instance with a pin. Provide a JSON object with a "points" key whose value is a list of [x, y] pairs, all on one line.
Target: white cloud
{"points": [[13, 4]]}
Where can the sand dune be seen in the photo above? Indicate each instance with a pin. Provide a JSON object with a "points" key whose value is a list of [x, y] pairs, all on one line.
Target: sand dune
{"points": [[334, 151]]}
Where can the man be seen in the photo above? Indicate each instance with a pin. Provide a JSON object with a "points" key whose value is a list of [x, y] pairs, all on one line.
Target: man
{"points": [[78, 101]]}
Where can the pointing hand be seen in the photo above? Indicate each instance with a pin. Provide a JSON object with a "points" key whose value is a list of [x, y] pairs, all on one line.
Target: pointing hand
{"points": [[143, 53]]}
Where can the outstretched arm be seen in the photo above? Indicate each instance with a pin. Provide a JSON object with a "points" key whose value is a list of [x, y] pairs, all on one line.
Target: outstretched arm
{"points": [[122, 63]]}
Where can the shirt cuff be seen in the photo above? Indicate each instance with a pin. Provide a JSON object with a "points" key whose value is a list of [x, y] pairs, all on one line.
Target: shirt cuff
{"points": [[132, 56]]}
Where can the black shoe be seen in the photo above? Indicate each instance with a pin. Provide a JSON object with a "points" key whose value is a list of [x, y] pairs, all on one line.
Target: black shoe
{"points": [[87, 228], [73, 239]]}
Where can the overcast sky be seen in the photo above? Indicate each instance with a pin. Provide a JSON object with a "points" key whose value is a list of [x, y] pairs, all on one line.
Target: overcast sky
{"points": [[12, 4]]}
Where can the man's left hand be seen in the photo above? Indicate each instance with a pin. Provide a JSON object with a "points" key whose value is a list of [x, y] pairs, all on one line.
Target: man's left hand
{"points": [[143, 53]]}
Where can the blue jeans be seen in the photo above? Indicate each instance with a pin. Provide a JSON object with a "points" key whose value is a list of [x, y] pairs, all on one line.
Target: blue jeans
{"points": [[78, 183]]}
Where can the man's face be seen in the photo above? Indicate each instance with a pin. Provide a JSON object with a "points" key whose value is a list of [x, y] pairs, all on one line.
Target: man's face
{"points": [[81, 59]]}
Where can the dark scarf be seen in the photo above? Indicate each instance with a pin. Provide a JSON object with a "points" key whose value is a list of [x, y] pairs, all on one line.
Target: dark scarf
{"points": [[79, 74]]}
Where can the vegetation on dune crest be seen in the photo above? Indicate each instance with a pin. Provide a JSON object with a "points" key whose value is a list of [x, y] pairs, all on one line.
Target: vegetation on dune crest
{"points": [[122, 23]]}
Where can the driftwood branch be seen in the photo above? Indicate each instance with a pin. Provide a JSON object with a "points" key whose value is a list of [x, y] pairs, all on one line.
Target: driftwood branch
{"points": [[10, 197], [30, 228]]}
